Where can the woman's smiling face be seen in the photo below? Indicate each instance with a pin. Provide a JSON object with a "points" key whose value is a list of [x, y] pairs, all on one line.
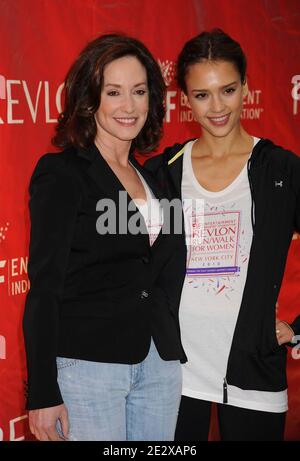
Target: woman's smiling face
{"points": [[215, 93], [124, 102]]}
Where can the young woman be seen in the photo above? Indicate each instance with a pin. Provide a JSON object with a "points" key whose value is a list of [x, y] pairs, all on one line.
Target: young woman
{"points": [[241, 199], [101, 318]]}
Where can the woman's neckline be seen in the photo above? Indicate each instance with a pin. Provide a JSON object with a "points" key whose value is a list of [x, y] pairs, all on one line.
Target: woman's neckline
{"points": [[229, 187]]}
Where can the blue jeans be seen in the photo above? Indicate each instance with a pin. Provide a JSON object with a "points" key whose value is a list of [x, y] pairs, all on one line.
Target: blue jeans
{"points": [[109, 401]]}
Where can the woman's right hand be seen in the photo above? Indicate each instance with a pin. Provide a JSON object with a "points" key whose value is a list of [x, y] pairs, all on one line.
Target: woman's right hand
{"points": [[43, 422]]}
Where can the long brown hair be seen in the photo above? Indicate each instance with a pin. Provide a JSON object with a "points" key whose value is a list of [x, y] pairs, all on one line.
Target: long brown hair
{"points": [[76, 124]]}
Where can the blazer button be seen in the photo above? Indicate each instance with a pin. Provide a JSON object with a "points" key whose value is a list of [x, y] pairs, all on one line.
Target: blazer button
{"points": [[144, 294], [145, 259]]}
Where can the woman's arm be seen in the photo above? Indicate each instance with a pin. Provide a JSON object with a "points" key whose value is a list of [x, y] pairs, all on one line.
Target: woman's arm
{"points": [[295, 325], [286, 332], [54, 201]]}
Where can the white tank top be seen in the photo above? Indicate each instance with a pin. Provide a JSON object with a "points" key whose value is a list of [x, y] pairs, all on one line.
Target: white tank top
{"points": [[151, 211]]}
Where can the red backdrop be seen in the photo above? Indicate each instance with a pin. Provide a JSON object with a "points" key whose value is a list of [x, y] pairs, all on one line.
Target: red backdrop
{"points": [[38, 41]]}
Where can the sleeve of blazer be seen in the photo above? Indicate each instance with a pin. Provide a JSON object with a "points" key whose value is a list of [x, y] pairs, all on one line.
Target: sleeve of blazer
{"points": [[295, 165], [54, 200], [296, 186]]}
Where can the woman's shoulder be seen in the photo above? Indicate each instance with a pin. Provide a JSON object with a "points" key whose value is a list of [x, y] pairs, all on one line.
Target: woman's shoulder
{"points": [[56, 168], [266, 149], [269, 156], [59, 161]]}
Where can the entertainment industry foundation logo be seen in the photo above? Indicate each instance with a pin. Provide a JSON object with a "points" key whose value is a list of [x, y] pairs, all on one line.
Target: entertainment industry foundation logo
{"points": [[295, 92], [14, 428], [10, 268], [13, 271], [168, 68], [20, 100]]}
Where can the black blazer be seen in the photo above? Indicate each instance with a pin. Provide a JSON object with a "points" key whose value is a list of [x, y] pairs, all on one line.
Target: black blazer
{"points": [[94, 297]]}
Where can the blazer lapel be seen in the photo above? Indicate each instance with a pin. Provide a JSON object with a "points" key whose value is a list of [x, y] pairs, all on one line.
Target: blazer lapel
{"points": [[108, 182], [175, 175], [148, 178], [101, 173]]}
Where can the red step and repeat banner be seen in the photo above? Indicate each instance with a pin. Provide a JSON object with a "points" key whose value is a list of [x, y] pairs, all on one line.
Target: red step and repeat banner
{"points": [[39, 39]]}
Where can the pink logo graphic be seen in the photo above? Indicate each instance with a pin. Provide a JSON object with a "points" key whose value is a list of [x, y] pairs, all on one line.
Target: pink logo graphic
{"points": [[2, 348], [3, 231], [2, 265], [168, 71], [2, 87]]}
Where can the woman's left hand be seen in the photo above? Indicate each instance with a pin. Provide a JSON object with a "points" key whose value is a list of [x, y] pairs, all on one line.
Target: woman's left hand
{"points": [[284, 332]]}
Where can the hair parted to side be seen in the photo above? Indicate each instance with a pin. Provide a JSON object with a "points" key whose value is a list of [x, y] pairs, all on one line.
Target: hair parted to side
{"points": [[215, 45], [82, 93]]}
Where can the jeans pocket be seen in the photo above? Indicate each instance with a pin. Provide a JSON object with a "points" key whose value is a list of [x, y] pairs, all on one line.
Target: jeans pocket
{"points": [[63, 362]]}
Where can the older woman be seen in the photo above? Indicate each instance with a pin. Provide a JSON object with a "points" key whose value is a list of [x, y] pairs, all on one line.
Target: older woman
{"points": [[101, 318]]}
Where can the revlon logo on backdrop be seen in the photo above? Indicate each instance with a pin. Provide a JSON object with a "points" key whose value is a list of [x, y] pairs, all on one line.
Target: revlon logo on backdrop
{"points": [[295, 92], [20, 101]]}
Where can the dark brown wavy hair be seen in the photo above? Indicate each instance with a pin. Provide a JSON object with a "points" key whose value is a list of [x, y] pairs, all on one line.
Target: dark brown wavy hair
{"points": [[215, 45], [76, 124]]}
